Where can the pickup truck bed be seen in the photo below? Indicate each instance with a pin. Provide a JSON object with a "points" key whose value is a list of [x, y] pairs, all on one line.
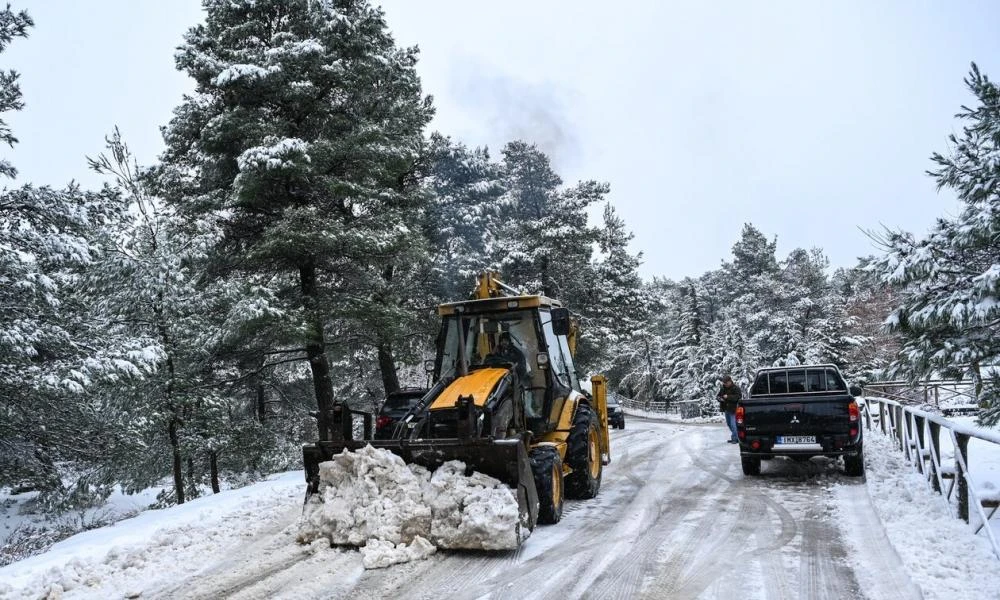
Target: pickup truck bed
{"points": [[799, 412]]}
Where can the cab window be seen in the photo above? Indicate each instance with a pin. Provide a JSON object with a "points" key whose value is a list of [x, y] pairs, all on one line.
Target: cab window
{"points": [[778, 381], [557, 361], [796, 382]]}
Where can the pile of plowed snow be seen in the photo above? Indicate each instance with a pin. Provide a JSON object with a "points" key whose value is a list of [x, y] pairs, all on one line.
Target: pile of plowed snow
{"points": [[397, 512]]}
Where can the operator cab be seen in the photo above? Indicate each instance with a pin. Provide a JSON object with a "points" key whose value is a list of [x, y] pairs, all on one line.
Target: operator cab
{"points": [[539, 352]]}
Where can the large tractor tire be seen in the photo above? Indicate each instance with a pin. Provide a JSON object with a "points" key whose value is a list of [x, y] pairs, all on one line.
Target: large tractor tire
{"points": [[583, 454], [546, 466]]}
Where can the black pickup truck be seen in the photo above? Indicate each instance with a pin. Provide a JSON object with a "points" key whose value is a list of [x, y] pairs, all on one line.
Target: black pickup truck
{"points": [[800, 412]]}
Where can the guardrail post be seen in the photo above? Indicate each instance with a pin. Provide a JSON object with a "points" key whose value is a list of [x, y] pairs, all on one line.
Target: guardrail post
{"points": [[907, 435], [881, 416], [963, 483], [918, 422], [935, 440], [898, 417]]}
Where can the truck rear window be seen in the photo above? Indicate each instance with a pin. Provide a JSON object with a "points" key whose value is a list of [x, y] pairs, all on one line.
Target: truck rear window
{"points": [[797, 381], [779, 382]]}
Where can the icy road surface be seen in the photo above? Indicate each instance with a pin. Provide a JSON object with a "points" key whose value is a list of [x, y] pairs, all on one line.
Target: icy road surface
{"points": [[675, 519]]}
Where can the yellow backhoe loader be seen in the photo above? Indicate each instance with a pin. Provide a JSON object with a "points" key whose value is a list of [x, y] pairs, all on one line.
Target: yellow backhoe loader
{"points": [[505, 400]]}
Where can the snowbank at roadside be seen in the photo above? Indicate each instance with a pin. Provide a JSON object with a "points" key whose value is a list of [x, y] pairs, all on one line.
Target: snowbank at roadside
{"points": [[398, 512], [155, 547], [940, 552], [671, 418]]}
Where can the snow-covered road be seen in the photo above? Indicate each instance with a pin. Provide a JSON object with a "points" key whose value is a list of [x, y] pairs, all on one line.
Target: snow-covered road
{"points": [[675, 519]]}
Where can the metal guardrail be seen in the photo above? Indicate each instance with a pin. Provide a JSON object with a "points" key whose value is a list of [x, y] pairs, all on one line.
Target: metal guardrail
{"points": [[929, 391], [646, 405], [918, 436], [686, 409]]}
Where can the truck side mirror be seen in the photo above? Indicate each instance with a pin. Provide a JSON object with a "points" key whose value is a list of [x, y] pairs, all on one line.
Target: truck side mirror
{"points": [[560, 321], [855, 390]]}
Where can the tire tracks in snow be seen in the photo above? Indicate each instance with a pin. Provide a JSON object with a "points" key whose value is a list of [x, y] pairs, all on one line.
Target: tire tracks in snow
{"points": [[880, 569], [750, 521], [269, 552], [821, 569], [519, 574]]}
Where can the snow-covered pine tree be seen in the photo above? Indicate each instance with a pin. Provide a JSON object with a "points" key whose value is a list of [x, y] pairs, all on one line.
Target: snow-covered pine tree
{"points": [[52, 350], [870, 347], [754, 297], [642, 367], [544, 242], [461, 219], [753, 255], [148, 286], [817, 312], [12, 25], [302, 136], [615, 308], [949, 316]]}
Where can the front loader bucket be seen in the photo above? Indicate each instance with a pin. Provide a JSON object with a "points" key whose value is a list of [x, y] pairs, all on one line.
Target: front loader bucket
{"points": [[506, 460]]}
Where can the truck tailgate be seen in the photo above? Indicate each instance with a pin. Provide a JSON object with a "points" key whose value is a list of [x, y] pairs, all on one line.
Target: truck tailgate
{"points": [[798, 416]]}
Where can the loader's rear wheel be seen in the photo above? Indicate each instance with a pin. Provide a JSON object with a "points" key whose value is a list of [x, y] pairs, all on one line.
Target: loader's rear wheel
{"points": [[546, 466], [583, 455]]}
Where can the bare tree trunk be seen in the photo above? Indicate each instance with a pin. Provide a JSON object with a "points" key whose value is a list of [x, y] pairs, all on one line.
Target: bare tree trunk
{"points": [[316, 349], [386, 361], [191, 481], [176, 420], [213, 465], [261, 398], [175, 446], [977, 381], [387, 365]]}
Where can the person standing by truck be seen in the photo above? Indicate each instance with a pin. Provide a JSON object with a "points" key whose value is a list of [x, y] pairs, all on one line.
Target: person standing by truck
{"points": [[729, 396]]}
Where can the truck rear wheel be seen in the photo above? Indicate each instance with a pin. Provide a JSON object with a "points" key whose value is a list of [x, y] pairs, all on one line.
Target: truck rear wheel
{"points": [[546, 466], [854, 466], [751, 465], [583, 455]]}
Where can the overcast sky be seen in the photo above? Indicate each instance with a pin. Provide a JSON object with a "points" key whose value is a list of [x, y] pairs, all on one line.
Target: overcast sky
{"points": [[810, 120]]}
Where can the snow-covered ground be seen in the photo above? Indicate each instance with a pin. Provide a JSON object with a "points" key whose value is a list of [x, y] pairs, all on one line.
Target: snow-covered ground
{"points": [[109, 562], [669, 417], [673, 515]]}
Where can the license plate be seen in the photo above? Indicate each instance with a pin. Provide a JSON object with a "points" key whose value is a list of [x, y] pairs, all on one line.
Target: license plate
{"points": [[796, 439]]}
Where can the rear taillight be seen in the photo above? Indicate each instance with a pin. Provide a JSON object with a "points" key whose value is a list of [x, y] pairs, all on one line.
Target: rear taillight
{"points": [[739, 415], [382, 421], [853, 412]]}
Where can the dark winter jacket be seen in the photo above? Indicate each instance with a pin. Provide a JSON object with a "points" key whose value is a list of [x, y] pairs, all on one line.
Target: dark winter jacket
{"points": [[728, 397]]}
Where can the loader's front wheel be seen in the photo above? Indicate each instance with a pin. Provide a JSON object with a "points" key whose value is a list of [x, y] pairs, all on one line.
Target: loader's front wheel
{"points": [[583, 455], [546, 466]]}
